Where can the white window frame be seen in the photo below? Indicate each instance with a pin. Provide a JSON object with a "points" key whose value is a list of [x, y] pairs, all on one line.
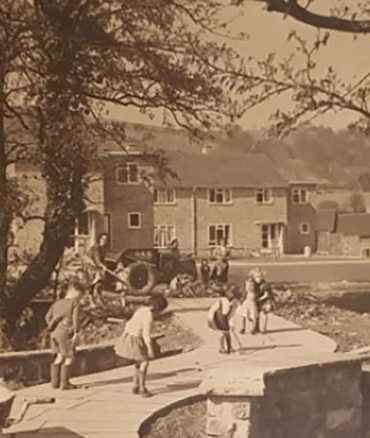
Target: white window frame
{"points": [[164, 228], [219, 227], [302, 225], [298, 192], [165, 196], [129, 181], [265, 199], [218, 192], [133, 227]]}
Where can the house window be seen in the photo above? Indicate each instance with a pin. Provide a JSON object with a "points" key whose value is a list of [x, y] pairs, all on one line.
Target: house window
{"points": [[219, 196], [218, 232], [163, 235], [263, 196], [300, 196], [304, 228], [164, 196], [128, 174], [134, 220]]}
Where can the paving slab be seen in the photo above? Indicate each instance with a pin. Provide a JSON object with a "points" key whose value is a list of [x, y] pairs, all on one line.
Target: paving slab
{"points": [[107, 409]]}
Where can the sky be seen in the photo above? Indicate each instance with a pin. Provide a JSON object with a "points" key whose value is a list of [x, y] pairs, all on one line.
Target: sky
{"points": [[268, 33]]}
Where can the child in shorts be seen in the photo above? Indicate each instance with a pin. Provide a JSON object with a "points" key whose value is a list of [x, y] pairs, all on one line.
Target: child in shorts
{"points": [[221, 317], [63, 322], [248, 310]]}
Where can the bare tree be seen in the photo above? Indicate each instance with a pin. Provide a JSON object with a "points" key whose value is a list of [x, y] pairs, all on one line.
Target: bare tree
{"points": [[60, 62]]}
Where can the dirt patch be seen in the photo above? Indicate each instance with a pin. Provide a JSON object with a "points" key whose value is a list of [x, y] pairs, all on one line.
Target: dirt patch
{"points": [[338, 310], [97, 328], [183, 422]]}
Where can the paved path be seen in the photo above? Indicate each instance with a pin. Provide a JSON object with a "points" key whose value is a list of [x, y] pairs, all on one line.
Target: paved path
{"points": [[107, 409]]}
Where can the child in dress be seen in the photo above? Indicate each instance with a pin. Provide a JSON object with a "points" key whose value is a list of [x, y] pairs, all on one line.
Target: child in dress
{"points": [[221, 317], [205, 271], [248, 309], [135, 343], [63, 322]]}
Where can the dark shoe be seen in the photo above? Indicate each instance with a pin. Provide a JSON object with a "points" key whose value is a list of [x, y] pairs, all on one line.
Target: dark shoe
{"points": [[55, 376], [135, 390], [242, 331], [64, 378]]}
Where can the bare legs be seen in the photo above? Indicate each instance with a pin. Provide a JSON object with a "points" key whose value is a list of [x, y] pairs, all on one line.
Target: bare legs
{"points": [[139, 381]]}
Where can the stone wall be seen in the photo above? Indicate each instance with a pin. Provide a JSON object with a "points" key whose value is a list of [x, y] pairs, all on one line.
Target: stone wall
{"points": [[321, 400], [34, 366]]}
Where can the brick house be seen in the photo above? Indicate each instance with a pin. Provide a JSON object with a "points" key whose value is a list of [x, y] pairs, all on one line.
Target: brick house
{"points": [[241, 198]]}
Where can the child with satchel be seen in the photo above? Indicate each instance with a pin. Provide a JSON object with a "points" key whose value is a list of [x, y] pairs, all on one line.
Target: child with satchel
{"points": [[221, 317], [63, 322]]}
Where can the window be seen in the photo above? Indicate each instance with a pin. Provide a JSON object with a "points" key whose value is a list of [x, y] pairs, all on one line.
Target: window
{"points": [[164, 196], [300, 196], [134, 220], [128, 174], [304, 228], [263, 196], [218, 232], [219, 196], [163, 235]]}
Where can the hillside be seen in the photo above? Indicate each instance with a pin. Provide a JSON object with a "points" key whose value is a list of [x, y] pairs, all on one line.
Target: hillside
{"points": [[340, 157]]}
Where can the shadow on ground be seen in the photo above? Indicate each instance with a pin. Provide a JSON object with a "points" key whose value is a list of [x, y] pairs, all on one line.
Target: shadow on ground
{"points": [[358, 302], [52, 432]]}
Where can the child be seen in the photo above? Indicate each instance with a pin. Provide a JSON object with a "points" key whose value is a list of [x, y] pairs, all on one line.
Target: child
{"points": [[63, 321], [220, 317], [264, 300], [121, 284], [219, 272], [248, 309], [205, 271], [135, 342]]}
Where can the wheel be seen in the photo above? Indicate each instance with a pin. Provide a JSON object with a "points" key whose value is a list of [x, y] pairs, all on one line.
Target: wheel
{"points": [[141, 278]]}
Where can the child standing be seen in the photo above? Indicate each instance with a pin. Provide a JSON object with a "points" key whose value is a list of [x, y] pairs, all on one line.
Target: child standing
{"points": [[205, 271], [221, 317], [63, 321], [264, 300], [135, 343], [121, 283], [248, 309]]}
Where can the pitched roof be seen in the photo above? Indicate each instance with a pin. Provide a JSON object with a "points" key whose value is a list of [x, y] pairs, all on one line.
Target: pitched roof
{"points": [[325, 220], [223, 171], [354, 224]]}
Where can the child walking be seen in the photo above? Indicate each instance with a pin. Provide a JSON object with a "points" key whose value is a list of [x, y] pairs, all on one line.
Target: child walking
{"points": [[221, 317], [135, 343], [63, 322]]}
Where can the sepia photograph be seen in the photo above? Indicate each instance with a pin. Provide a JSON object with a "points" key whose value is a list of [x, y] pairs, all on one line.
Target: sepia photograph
{"points": [[184, 219]]}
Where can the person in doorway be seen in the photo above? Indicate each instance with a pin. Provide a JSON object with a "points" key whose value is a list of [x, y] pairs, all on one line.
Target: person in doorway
{"points": [[63, 322], [135, 343], [96, 256], [221, 317]]}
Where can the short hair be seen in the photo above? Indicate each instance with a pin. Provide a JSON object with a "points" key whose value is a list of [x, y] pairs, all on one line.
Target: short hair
{"points": [[158, 302], [102, 235]]}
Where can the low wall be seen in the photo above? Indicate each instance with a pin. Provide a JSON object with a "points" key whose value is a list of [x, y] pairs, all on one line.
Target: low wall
{"points": [[321, 400], [34, 366]]}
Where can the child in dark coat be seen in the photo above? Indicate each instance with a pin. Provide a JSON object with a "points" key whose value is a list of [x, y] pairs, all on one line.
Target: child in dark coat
{"points": [[205, 272]]}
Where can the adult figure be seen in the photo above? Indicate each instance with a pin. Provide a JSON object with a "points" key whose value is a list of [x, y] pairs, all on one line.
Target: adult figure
{"points": [[97, 255], [222, 255]]}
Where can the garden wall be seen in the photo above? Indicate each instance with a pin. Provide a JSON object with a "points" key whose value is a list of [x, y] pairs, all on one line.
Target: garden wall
{"points": [[34, 366]]}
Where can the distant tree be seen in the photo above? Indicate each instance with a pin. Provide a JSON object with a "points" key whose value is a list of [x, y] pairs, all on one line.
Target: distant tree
{"points": [[364, 181], [328, 205], [357, 202]]}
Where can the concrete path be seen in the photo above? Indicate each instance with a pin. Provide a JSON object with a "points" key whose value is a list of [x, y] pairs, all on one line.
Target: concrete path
{"points": [[107, 409]]}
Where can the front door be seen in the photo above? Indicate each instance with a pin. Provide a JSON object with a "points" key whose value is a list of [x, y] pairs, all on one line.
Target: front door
{"points": [[272, 236]]}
